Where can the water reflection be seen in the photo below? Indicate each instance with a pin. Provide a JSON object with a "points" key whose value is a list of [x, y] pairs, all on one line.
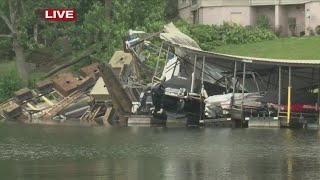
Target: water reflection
{"points": [[48, 152]]}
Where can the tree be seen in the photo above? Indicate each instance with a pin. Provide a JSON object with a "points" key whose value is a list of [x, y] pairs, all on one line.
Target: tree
{"points": [[10, 20], [92, 27], [22, 23], [107, 4]]}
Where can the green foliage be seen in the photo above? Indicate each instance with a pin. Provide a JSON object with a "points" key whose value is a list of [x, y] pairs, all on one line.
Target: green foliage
{"points": [[311, 32], [172, 9], [28, 18], [263, 22], [5, 50], [9, 83], [93, 27], [211, 36], [152, 61], [318, 30], [75, 68]]}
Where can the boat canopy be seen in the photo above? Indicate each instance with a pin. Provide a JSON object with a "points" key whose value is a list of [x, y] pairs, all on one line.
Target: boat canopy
{"points": [[305, 73]]}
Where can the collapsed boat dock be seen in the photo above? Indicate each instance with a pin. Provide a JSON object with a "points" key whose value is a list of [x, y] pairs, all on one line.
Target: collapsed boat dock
{"points": [[289, 89], [195, 86]]}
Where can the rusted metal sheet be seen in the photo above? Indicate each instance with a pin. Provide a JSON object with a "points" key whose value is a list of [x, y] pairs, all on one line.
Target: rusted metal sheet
{"points": [[91, 70], [68, 83], [85, 83], [65, 83]]}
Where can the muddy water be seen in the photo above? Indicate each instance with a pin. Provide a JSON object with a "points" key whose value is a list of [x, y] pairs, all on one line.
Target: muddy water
{"points": [[59, 152]]}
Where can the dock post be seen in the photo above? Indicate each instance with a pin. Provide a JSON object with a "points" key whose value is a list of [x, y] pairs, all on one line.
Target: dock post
{"points": [[202, 87], [234, 83], [243, 83], [279, 91], [289, 97], [194, 73], [318, 100]]}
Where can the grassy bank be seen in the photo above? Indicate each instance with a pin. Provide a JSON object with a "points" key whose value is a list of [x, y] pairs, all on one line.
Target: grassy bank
{"points": [[10, 82], [282, 48], [6, 67]]}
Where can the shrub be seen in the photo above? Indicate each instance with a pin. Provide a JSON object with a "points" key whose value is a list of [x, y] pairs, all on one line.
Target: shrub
{"points": [[9, 83], [278, 30], [318, 30], [311, 31], [211, 36], [263, 22]]}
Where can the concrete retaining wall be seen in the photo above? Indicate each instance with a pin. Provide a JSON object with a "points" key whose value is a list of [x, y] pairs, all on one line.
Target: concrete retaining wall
{"points": [[263, 123]]}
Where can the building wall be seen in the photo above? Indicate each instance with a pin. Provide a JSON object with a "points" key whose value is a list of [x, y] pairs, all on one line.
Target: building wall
{"points": [[264, 2], [314, 20], [246, 12], [186, 14], [218, 15], [268, 11], [298, 12], [251, 2], [281, 20]]}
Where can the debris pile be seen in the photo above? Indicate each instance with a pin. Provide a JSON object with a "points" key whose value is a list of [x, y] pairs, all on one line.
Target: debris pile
{"points": [[85, 97], [193, 86]]}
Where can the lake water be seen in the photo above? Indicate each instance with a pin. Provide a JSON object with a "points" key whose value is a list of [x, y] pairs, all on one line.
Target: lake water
{"points": [[65, 152]]}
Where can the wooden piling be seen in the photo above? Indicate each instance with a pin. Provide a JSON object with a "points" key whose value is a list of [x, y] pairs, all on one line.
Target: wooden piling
{"points": [[120, 99]]}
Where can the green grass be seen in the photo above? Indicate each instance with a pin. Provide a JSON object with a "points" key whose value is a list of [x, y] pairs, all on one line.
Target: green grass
{"points": [[298, 48], [10, 82], [7, 66]]}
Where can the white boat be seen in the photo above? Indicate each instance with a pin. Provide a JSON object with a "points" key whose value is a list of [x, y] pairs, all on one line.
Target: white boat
{"points": [[218, 105]]}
